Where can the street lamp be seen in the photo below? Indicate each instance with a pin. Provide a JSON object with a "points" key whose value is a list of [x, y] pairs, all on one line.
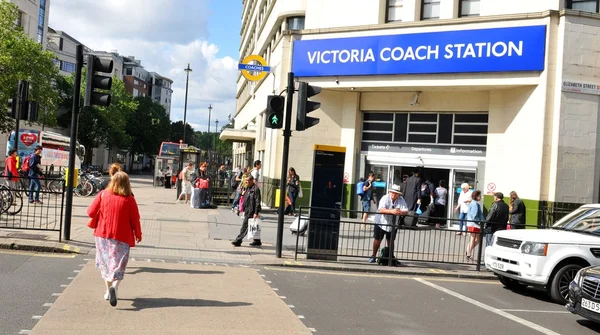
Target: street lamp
{"points": [[187, 73], [209, 110], [216, 132]]}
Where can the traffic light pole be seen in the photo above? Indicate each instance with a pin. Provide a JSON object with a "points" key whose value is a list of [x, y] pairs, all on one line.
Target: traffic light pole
{"points": [[72, 149], [22, 95], [287, 133]]}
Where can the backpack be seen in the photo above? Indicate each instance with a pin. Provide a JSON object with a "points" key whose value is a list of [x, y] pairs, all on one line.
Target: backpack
{"points": [[384, 257], [234, 183], [360, 188], [25, 166]]}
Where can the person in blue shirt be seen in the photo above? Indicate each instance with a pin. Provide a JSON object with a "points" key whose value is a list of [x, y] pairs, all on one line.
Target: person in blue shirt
{"points": [[35, 173], [366, 198]]}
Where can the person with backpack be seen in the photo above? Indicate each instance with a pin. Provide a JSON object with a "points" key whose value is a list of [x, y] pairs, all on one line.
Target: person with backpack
{"points": [[33, 166]]}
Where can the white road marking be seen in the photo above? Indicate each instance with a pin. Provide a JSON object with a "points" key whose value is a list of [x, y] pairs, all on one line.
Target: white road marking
{"points": [[76, 271], [70, 278], [36, 317], [291, 306], [534, 311], [263, 275], [87, 259], [268, 281], [82, 265], [275, 289], [24, 331], [282, 297], [481, 305], [48, 304], [63, 285], [312, 330], [55, 294], [300, 316], [133, 259]]}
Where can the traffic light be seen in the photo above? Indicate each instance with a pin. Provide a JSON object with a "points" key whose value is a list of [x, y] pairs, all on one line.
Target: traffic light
{"points": [[305, 106], [12, 108], [32, 110], [275, 108], [96, 82]]}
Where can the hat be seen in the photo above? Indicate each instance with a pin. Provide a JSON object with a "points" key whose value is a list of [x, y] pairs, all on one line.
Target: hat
{"points": [[395, 189], [465, 185]]}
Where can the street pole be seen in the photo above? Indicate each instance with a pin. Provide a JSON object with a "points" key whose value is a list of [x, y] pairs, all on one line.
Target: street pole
{"points": [[287, 133], [187, 79], [22, 95], [209, 111], [216, 134], [72, 147]]}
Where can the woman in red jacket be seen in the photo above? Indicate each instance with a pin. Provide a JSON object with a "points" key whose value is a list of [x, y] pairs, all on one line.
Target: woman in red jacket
{"points": [[118, 230]]}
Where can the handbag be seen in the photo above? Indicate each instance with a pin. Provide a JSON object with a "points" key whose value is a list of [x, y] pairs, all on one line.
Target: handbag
{"points": [[253, 229], [419, 211], [93, 222], [300, 194]]}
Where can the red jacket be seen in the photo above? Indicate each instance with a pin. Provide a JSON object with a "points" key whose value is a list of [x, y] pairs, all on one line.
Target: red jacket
{"points": [[11, 168], [119, 217]]}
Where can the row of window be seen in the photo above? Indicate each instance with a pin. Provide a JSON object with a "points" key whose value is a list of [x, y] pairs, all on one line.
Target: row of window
{"points": [[426, 128], [41, 19], [430, 9], [64, 65]]}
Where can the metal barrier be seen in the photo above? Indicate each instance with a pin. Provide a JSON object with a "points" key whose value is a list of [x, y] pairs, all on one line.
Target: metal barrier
{"points": [[419, 242], [17, 212]]}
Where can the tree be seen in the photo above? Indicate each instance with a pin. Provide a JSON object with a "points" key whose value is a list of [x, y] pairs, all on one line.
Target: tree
{"points": [[100, 125], [177, 133], [22, 58], [148, 126]]}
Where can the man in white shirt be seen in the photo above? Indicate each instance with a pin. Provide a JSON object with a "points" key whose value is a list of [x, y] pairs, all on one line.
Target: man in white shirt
{"points": [[390, 206], [463, 207], [256, 171]]}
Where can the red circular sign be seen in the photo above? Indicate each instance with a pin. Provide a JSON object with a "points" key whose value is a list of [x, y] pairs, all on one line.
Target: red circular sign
{"points": [[491, 187], [346, 178]]}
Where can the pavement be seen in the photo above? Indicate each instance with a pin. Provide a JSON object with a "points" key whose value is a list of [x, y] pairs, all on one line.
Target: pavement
{"points": [[330, 302]]}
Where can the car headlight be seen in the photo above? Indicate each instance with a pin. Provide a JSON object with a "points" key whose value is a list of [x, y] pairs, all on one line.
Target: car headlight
{"points": [[533, 248], [577, 279]]}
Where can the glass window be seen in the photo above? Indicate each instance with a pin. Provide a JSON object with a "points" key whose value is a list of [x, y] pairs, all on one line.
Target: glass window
{"points": [[43, 3], [469, 8], [583, 5], [56, 62], [135, 92], [394, 10], [67, 67], [40, 36], [41, 18], [295, 23], [431, 9]]}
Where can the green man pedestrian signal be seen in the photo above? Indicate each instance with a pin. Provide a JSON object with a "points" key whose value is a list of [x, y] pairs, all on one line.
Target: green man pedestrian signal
{"points": [[306, 106], [95, 82], [275, 109]]}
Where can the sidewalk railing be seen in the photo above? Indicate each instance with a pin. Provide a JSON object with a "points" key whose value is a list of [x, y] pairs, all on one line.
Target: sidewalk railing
{"points": [[347, 238], [18, 212]]}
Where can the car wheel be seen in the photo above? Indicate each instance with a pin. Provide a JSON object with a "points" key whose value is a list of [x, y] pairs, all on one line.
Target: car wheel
{"points": [[511, 284], [559, 286]]}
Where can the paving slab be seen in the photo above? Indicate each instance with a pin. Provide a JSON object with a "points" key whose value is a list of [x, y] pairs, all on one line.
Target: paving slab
{"points": [[163, 298]]}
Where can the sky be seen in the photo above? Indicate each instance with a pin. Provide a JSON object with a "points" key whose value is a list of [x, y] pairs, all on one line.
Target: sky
{"points": [[166, 35]]}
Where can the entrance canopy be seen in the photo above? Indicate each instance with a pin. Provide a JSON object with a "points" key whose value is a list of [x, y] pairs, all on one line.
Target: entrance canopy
{"points": [[238, 135]]}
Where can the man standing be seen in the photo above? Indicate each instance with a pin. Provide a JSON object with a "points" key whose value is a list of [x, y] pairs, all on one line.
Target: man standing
{"points": [[462, 207], [251, 211], [35, 173], [390, 205], [498, 216], [256, 171], [366, 198], [413, 190]]}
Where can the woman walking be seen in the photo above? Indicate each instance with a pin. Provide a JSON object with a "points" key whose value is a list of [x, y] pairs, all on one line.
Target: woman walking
{"points": [[293, 185], [116, 222]]}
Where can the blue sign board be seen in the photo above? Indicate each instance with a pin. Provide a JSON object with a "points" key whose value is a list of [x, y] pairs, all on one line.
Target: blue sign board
{"points": [[252, 67], [461, 51]]}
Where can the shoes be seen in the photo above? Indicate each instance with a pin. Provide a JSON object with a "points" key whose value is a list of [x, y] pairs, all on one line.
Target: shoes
{"points": [[112, 295], [106, 295], [256, 244], [236, 243], [372, 260]]}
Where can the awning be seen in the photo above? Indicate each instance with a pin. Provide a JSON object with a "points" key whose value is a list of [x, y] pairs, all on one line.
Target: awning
{"points": [[238, 135]]}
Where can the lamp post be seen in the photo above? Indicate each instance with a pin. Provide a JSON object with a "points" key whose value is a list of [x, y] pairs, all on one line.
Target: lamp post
{"points": [[209, 110], [187, 73], [216, 133]]}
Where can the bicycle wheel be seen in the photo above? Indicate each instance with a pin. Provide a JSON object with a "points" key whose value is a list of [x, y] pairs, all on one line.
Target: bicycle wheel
{"points": [[87, 189], [17, 204], [7, 199]]}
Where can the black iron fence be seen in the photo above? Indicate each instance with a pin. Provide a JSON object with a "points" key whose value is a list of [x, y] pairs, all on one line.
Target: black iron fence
{"points": [[338, 238], [22, 207]]}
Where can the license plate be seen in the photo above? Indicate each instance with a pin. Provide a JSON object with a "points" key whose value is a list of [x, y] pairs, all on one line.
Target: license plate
{"points": [[498, 266], [590, 305]]}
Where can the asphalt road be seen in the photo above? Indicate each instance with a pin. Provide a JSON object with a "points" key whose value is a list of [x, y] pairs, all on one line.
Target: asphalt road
{"points": [[29, 281], [353, 303]]}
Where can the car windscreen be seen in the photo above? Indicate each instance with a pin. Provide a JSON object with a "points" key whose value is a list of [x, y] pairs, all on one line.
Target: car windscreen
{"points": [[583, 219]]}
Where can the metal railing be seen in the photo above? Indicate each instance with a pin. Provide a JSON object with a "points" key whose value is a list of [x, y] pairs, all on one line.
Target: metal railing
{"points": [[350, 238], [17, 211]]}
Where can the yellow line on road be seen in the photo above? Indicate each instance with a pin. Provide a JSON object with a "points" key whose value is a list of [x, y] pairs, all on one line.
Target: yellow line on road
{"points": [[37, 254], [375, 275]]}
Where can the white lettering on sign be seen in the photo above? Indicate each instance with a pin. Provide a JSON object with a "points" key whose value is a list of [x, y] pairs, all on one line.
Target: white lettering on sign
{"points": [[421, 149], [466, 151], [422, 53]]}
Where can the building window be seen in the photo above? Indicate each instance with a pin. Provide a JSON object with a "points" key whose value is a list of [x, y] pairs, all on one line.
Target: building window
{"points": [[295, 23], [394, 10], [135, 92], [56, 62], [19, 21], [469, 8], [67, 67], [40, 36], [430, 9], [61, 44], [584, 5]]}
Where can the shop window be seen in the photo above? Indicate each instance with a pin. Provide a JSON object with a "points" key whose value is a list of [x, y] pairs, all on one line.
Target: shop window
{"points": [[469, 8], [383, 137], [584, 5], [378, 126], [470, 140], [295, 23], [430, 9], [379, 117], [421, 138], [394, 10]]}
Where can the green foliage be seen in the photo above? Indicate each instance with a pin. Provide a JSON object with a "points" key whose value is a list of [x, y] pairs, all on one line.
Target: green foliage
{"points": [[177, 133], [148, 126], [22, 58], [207, 141]]}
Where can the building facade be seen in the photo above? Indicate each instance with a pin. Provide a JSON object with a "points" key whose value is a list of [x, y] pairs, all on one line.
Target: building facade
{"points": [[136, 78], [117, 59], [34, 18], [64, 47], [161, 90], [501, 96]]}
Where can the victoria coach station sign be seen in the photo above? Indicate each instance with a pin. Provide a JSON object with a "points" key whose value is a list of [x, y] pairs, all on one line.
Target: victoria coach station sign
{"points": [[461, 51], [419, 149]]}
